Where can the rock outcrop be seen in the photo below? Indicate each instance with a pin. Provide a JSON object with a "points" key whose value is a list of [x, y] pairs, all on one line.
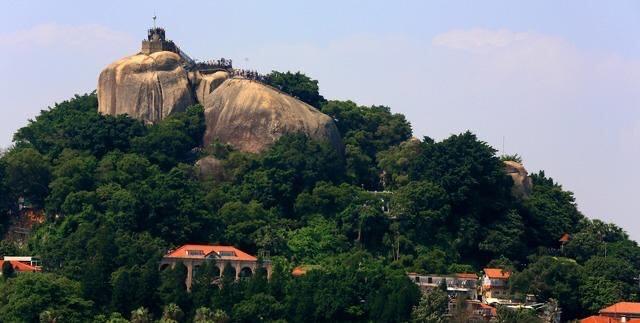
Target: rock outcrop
{"points": [[210, 167], [244, 113], [251, 116], [146, 87], [206, 84], [522, 184]]}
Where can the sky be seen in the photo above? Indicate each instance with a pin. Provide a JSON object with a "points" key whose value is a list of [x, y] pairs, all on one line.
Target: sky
{"points": [[556, 82]]}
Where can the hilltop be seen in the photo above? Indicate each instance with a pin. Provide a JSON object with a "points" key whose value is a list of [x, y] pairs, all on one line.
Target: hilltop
{"points": [[340, 192], [241, 108]]}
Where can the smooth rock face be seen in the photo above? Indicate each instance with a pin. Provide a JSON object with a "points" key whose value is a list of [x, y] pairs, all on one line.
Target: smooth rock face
{"points": [[522, 183], [207, 83], [251, 116], [246, 114], [146, 87], [210, 167]]}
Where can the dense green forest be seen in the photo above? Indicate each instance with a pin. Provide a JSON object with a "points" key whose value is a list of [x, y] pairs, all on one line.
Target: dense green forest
{"points": [[118, 194]]}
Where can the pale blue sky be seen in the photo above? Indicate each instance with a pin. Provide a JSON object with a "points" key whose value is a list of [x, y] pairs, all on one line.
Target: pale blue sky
{"points": [[558, 79]]}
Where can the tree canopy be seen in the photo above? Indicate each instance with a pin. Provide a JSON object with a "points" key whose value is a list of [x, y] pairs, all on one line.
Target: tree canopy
{"points": [[118, 194]]}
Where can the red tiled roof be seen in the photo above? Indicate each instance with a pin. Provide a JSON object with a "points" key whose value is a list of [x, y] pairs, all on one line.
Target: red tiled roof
{"points": [[298, 271], [201, 251], [622, 308], [21, 267], [599, 319], [497, 273], [565, 238], [467, 275]]}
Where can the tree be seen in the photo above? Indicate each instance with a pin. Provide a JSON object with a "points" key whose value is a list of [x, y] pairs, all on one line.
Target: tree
{"points": [[242, 220], [141, 315], [432, 307], [593, 238], [73, 171], [206, 315], [551, 211], [257, 308], [29, 294], [171, 140], [76, 124], [7, 270], [202, 286], [173, 287], [506, 237], [318, 239], [295, 163], [394, 299], [48, 317], [423, 207], [507, 315], [297, 85], [551, 277], [366, 131], [597, 293], [173, 313], [28, 174]]}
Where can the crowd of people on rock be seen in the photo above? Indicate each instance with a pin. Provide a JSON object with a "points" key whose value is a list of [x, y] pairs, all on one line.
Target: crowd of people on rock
{"points": [[223, 63], [227, 64], [249, 74]]}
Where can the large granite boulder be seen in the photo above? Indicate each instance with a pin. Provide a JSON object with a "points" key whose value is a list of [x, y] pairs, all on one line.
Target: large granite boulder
{"points": [[522, 183], [146, 87], [251, 116], [246, 114]]}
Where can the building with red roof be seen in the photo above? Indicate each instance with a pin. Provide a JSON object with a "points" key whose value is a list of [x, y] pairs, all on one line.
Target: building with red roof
{"points": [[628, 312], [21, 264], [602, 319], [494, 285], [195, 255]]}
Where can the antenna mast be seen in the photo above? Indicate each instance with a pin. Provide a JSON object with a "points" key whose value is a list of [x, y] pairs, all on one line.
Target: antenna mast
{"points": [[154, 20]]}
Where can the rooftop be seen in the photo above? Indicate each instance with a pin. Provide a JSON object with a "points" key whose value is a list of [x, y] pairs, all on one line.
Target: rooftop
{"points": [[622, 308], [497, 273], [191, 251], [21, 267], [605, 319], [466, 276]]}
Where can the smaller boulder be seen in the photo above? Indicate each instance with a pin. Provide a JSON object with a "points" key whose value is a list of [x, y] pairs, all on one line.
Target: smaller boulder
{"points": [[522, 183], [210, 168]]}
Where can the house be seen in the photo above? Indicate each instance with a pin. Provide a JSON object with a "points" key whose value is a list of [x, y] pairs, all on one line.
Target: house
{"points": [[495, 285], [460, 284], [22, 264], [564, 240], [475, 311], [194, 255], [619, 312], [606, 319]]}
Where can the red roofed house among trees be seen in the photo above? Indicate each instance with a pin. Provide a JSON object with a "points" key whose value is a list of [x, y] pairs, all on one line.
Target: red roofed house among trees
{"points": [[193, 256], [620, 310], [21, 264], [494, 284]]}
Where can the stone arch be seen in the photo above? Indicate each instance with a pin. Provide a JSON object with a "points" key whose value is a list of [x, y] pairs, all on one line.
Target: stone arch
{"points": [[245, 272], [164, 266]]}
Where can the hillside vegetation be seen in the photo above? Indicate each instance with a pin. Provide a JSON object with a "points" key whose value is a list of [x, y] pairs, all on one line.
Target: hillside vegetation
{"points": [[118, 194]]}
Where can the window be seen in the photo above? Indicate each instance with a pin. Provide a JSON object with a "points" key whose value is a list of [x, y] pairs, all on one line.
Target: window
{"points": [[227, 254], [417, 279], [195, 253]]}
